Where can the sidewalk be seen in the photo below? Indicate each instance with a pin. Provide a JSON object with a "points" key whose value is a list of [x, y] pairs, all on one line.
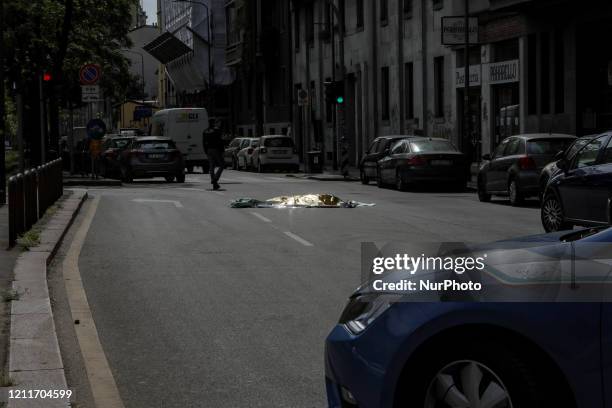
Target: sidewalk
{"points": [[8, 259], [86, 181]]}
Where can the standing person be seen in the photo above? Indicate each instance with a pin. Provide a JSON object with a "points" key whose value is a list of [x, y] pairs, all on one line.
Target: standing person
{"points": [[214, 149]]}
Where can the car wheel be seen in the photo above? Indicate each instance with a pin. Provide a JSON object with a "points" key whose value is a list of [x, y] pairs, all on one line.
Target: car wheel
{"points": [[364, 179], [476, 375], [400, 183], [516, 198], [483, 196], [552, 214], [169, 179], [180, 178]]}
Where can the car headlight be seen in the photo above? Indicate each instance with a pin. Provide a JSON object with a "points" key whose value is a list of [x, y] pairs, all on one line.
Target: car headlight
{"points": [[362, 310]]}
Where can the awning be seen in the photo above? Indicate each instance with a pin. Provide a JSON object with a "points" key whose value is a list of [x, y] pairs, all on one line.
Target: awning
{"points": [[167, 48]]}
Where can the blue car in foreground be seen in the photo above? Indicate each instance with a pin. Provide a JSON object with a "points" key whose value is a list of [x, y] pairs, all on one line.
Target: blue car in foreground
{"points": [[385, 354]]}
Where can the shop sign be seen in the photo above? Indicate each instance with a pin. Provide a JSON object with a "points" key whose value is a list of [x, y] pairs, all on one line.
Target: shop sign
{"points": [[475, 76], [453, 30], [503, 72]]}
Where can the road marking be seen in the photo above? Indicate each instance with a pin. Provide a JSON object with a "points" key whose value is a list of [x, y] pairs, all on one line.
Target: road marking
{"points": [[298, 239], [101, 380], [261, 217], [177, 204]]}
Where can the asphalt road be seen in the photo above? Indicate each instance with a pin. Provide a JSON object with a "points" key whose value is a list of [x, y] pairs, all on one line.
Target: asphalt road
{"points": [[201, 305]]}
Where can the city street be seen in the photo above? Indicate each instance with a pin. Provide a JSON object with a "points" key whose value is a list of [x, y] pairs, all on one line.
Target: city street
{"points": [[201, 305]]}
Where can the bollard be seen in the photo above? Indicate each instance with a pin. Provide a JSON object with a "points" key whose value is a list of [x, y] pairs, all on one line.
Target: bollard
{"points": [[27, 199], [12, 206], [19, 205]]}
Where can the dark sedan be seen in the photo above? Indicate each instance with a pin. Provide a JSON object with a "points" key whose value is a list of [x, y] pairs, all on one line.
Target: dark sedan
{"points": [[111, 152], [581, 192], [552, 169], [419, 160], [149, 157], [515, 167], [368, 166]]}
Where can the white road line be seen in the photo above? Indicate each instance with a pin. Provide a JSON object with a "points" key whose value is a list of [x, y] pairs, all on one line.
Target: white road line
{"points": [[261, 217], [177, 204], [101, 380], [298, 239]]}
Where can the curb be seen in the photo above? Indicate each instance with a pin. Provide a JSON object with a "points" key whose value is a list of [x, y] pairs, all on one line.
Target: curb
{"points": [[35, 362], [92, 183]]}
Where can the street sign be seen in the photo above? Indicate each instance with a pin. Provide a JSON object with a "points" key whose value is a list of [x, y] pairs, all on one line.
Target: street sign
{"points": [[90, 93], [453, 30], [96, 129], [89, 74], [302, 97]]}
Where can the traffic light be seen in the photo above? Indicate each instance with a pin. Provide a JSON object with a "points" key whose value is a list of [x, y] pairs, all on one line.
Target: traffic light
{"points": [[334, 92], [338, 92], [47, 77]]}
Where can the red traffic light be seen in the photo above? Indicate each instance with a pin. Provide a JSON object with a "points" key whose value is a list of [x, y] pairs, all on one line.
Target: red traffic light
{"points": [[47, 77]]}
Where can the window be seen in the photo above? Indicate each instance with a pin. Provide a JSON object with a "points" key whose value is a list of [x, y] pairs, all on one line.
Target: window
{"points": [[407, 8], [548, 147], [409, 84], [373, 146], [513, 147], [278, 142], [588, 155], [607, 158], [559, 72], [431, 145], [532, 88], [499, 152], [545, 73], [400, 147], [360, 16], [384, 89], [384, 11], [439, 86], [437, 4]]}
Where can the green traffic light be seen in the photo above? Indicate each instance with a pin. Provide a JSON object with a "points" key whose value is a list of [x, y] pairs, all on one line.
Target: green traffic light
{"points": [[340, 99]]}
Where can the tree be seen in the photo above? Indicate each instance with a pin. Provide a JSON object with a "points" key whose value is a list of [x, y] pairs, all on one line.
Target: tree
{"points": [[59, 36]]}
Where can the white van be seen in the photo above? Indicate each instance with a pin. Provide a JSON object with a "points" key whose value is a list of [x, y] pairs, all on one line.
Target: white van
{"points": [[185, 126]]}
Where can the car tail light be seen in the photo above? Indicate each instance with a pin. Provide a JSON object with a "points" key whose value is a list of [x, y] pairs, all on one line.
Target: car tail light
{"points": [[527, 163], [416, 161], [263, 150]]}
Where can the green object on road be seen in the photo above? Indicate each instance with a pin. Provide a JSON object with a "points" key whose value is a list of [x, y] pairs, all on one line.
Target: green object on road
{"points": [[298, 201]]}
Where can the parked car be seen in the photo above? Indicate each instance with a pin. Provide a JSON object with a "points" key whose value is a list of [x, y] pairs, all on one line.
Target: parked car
{"points": [[245, 155], [581, 192], [368, 165], [230, 156], [515, 167], [275, 151], [422, 160], [388, 351], [111, 152], [551, 168], [151, 156]]}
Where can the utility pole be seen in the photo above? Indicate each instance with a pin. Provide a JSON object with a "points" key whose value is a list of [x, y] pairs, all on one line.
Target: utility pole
{"points": [[2, 113], [333, 76]]}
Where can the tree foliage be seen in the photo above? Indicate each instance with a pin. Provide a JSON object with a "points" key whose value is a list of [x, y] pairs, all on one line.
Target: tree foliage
{"points": [[59, 36]]}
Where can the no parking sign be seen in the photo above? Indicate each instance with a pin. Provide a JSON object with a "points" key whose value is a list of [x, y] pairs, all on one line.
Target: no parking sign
{"points": [[89, 74]]}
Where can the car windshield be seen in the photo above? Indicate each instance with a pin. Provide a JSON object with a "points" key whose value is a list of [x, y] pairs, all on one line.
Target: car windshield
{"points": [[120, 143], [278, 142], [579, 144], [155, 145], [431, 145], [547, 146]]}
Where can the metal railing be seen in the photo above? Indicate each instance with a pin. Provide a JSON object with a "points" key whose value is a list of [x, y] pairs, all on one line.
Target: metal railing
{"points": [[30, 194]]}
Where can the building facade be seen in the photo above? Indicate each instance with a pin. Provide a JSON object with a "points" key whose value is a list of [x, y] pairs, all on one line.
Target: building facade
{"points": [[259, 54], [191, 51], [530, 70]]}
